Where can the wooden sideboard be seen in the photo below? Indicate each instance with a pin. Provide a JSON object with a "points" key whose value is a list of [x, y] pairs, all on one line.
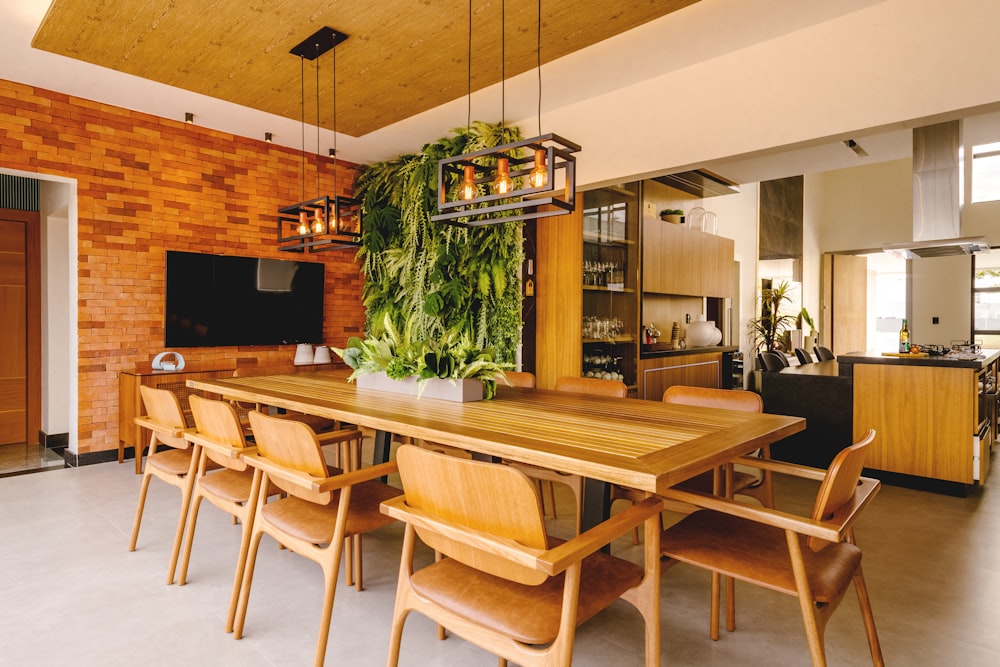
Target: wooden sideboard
{"points": [[130, 401], [700, 367]]}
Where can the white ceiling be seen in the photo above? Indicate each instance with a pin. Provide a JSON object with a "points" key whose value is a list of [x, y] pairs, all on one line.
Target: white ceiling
{"points": [[618, 64]]}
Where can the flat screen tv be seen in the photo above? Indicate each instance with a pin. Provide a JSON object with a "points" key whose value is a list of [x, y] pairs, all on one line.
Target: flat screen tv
{"points": [[217, 300]]}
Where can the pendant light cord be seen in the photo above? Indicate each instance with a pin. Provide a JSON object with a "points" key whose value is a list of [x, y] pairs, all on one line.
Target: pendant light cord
{"points": [[336, 207], [317, 119], [302, 110], [538, 55], [503, 90], [468, 111]]}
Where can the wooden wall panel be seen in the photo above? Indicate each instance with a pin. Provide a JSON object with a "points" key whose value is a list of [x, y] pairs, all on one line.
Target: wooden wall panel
{"points": [[559, 297]]}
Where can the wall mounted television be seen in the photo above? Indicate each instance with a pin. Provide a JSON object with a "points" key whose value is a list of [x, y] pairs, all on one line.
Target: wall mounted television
{"points": [[220, 300]]}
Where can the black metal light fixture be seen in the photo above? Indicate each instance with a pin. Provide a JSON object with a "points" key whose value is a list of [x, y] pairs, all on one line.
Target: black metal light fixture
{"points": [[519, 180], [324, 222]]}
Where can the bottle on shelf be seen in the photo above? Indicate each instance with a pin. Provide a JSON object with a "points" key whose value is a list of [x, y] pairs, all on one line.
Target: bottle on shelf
{"points": [[904, 338]]}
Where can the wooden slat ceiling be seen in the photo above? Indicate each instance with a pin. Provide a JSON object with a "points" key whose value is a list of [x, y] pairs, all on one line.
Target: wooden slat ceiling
{"points": [[401, 57]]}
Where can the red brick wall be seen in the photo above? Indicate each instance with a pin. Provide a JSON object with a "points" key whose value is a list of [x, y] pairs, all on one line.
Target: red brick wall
{"points": [[147, 185]]}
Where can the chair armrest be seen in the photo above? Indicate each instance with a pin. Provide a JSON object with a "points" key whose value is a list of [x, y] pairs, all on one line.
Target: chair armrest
{"points": [[829, 531], [320, 484], [558, 558], [505, 548], [341, 435], [550, 561], [174, 431], [228, 451], [781, 467]]}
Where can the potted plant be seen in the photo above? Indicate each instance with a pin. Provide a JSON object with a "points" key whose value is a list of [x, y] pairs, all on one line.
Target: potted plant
{"points": [[767, 331], [395, 363], [674, 215]]}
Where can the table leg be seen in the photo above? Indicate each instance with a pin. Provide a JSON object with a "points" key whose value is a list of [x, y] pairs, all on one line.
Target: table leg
{"points": [[596, 503]]}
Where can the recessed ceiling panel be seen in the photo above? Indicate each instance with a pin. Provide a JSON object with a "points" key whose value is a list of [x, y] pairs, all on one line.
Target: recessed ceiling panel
{"points": [[401, 57]]}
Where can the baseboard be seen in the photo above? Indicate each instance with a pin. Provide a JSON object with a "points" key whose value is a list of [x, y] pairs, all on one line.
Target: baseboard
{"points": [[940, 486], [74, 460], [57, 442]]}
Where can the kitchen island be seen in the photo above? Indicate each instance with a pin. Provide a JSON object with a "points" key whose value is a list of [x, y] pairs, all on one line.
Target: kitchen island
{"points": [[935, 415]]}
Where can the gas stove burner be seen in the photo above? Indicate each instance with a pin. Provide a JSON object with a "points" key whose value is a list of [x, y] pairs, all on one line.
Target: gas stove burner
{"points": [[965, 346]]}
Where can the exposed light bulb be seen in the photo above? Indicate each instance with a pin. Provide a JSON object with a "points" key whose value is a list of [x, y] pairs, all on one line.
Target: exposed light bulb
{"points": [[467, 190], [502, 184], [539, 176], [303, 228], [318, 222]]}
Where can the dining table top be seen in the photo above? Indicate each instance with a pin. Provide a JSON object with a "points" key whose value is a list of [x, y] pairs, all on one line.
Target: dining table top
{"points": [[645, 445]]}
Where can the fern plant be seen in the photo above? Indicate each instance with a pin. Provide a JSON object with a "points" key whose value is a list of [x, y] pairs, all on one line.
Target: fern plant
{"points": [[432, 277]]}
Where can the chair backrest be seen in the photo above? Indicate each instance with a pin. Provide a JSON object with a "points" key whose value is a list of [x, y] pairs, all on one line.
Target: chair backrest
{"points": [[499, 500], [823, 353], [163, 408], [293, 445], [841, 482], [772, 361], [520, 379], [803, 356], [595, 386], [727, 399], [217, 421]]}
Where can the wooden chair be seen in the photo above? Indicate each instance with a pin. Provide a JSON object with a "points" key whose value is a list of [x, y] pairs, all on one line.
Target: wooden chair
{"points": [[218, 438], [577, 385], [803, 356], [175, 466], [824, 353], [503, 584], [329, 431], [520, 379], [319, 512], [813, 559]]}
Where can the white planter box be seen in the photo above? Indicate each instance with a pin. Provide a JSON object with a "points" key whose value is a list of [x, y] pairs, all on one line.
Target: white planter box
{"points": [[461, 391]]}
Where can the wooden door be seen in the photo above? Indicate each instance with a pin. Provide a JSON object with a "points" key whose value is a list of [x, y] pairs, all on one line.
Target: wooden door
{"points": [[845, 303], [20, 327]]}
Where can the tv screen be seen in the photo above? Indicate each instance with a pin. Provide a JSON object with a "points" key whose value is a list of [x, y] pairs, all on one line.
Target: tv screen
{"points": [[216, 300]]}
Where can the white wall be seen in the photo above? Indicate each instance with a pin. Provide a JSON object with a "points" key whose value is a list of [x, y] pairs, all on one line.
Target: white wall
{"points": [[942, 288], [57, 266]]}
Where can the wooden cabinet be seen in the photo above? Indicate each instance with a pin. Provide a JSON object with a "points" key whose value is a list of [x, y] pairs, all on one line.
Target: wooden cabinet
{"points": [[688, 262], [927, 418], [703, 369], [130, 401]]}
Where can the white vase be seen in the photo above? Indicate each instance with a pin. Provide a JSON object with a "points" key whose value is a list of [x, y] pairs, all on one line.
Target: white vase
{"points": [[703, 334]]}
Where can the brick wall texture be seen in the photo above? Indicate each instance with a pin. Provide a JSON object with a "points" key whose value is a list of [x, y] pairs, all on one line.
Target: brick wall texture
{"points": [[147, 185]]}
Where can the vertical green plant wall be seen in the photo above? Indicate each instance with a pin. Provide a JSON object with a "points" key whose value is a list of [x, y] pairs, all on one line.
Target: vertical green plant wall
{"points": [[430, 277]]}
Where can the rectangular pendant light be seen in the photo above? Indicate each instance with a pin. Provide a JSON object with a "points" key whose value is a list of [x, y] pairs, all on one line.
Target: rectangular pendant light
{"points": [[524, 201], [340, 225]]}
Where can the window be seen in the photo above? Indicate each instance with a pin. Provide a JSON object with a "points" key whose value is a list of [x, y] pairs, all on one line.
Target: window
{"points": [[986, 172], [986, 299]]}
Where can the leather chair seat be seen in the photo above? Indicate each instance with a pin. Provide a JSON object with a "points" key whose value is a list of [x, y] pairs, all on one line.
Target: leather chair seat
{"points": [[171, 461], [529, 614], [315, 523], [231, 485], [752, 551]]}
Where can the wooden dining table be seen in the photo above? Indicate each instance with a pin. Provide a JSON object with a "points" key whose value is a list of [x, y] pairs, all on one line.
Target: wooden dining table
{"points": [[644, 445]]}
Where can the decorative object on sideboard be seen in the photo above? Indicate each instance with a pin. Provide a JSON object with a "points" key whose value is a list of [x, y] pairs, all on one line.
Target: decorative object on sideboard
{"points": [[672, 215], [703, 333], [518, 186], [321, 355], [324, 222], [160, 362], [304, 354]]}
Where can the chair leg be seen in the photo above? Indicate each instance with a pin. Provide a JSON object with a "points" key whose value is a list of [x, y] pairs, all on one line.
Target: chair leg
{"points": [[866, 615], [189, 539], [138, 511], [241, 561], [358, 564], [730, 604], [186, 491], [713, 621], [814, 630], [244, 594], [329, 592]]}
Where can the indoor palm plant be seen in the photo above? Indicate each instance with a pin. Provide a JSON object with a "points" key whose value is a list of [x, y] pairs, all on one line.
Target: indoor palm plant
{"points": [[766, 332]]}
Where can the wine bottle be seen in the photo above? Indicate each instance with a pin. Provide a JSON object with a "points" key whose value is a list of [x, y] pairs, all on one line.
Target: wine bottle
{"points": [[904, 338]]}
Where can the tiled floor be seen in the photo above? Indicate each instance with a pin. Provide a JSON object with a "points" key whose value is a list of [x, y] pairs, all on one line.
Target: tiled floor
{"points": [[71, 593], [21, 459]]}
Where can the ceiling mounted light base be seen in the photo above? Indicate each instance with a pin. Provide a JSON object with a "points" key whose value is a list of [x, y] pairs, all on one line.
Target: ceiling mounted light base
{"points": [[476, 173], [318, 43], [339, 219]]}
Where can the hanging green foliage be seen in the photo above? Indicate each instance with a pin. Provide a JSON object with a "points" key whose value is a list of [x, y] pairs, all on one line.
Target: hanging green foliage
{"points": [[432, 278]]}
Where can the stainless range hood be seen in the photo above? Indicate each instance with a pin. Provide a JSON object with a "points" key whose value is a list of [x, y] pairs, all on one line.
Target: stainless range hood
{"points": [[937, 167], [700, 183]]}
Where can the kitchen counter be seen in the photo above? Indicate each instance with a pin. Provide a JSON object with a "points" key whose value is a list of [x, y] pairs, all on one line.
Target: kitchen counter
{"points": [[847, 361], [646, 353]]}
